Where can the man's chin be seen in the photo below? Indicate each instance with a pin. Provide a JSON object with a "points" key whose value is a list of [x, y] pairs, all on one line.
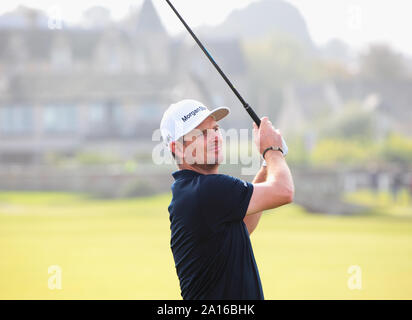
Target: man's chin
{"points": [[210, 165]]}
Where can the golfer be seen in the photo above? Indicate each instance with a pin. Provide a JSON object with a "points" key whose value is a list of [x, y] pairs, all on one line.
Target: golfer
{"points": [[212, 215]]}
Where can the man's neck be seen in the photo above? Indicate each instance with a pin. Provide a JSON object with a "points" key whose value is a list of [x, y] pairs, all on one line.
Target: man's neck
{"points": [[204, 169]]}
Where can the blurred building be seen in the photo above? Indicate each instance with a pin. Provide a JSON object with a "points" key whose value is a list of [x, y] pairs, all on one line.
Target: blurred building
{"points": [[64, 89]]}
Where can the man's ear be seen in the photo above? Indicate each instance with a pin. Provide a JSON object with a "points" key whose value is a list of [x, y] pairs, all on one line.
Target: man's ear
{"points": [[172, 147], [177, 149]]}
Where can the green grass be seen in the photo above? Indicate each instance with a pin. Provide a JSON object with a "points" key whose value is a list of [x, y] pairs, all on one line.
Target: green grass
{"points": [[119, 249]]}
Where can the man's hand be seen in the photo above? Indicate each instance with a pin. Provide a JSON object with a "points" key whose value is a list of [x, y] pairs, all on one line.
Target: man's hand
{"points": [[266, 135], [278, 188]]}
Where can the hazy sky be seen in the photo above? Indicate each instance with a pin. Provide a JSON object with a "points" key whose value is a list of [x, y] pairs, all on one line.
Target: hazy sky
{"points": [[357, 22]]}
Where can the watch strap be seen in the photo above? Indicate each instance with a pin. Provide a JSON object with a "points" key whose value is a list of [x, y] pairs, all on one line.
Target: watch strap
{"points": [[271, 148]]}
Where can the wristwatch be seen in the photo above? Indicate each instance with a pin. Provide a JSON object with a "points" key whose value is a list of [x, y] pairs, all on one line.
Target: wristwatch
{"points": [[272, 148]]}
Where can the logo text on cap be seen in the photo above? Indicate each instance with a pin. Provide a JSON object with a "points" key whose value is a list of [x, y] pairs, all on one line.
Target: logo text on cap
{"points": [[192, 113]]}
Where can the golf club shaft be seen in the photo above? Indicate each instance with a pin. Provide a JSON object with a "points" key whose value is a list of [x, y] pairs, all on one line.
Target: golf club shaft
{"points": [[247, 107], [244, 103]]}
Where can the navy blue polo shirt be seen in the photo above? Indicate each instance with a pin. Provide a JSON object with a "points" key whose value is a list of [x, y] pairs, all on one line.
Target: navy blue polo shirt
{"points": [[209, 240]]}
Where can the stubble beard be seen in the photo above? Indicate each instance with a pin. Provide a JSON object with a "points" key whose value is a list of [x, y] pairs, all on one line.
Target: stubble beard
{"points": [[210, 165]]}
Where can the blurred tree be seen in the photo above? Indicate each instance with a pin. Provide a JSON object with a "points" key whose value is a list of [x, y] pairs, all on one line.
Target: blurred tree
{"points": [[354, 123], [275, 61], [300, 154], [338, 151], [382, 63], [397, 148], [278, 59], [336, 49], [335, 151]]}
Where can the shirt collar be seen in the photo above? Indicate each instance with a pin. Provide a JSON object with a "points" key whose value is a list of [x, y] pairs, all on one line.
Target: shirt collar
{"points": [[185, 173]]}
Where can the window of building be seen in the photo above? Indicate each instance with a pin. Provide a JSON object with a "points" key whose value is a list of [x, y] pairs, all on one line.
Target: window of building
{"points": [[16, 119], [60, 118], [106, 119]]}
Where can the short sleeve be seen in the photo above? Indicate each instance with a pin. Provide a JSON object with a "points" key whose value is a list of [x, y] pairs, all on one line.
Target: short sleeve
{"points": [[224, 198]]}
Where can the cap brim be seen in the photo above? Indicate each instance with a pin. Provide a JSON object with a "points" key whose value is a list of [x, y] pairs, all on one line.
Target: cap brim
{"points": [[220, 113]]}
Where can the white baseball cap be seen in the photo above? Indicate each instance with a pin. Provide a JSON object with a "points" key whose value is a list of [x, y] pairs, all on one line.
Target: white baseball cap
{"points": [[184, 116]]}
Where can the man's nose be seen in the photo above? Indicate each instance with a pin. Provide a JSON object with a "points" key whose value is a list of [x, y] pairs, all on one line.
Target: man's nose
{"points": [[215, 136]]}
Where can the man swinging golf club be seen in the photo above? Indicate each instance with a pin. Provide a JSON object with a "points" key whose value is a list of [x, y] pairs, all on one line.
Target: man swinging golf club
{"points": [[211, 214]]}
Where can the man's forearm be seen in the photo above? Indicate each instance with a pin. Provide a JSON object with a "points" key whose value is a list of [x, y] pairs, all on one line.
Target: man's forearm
{"points": [[278, 174], [252, 220]]}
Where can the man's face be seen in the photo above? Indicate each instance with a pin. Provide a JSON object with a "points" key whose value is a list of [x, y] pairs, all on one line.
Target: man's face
{"points": [[202, 147]]}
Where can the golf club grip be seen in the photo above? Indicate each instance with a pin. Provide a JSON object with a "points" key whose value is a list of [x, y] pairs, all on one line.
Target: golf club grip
{"points": [[256, 119], [252, 113]]}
